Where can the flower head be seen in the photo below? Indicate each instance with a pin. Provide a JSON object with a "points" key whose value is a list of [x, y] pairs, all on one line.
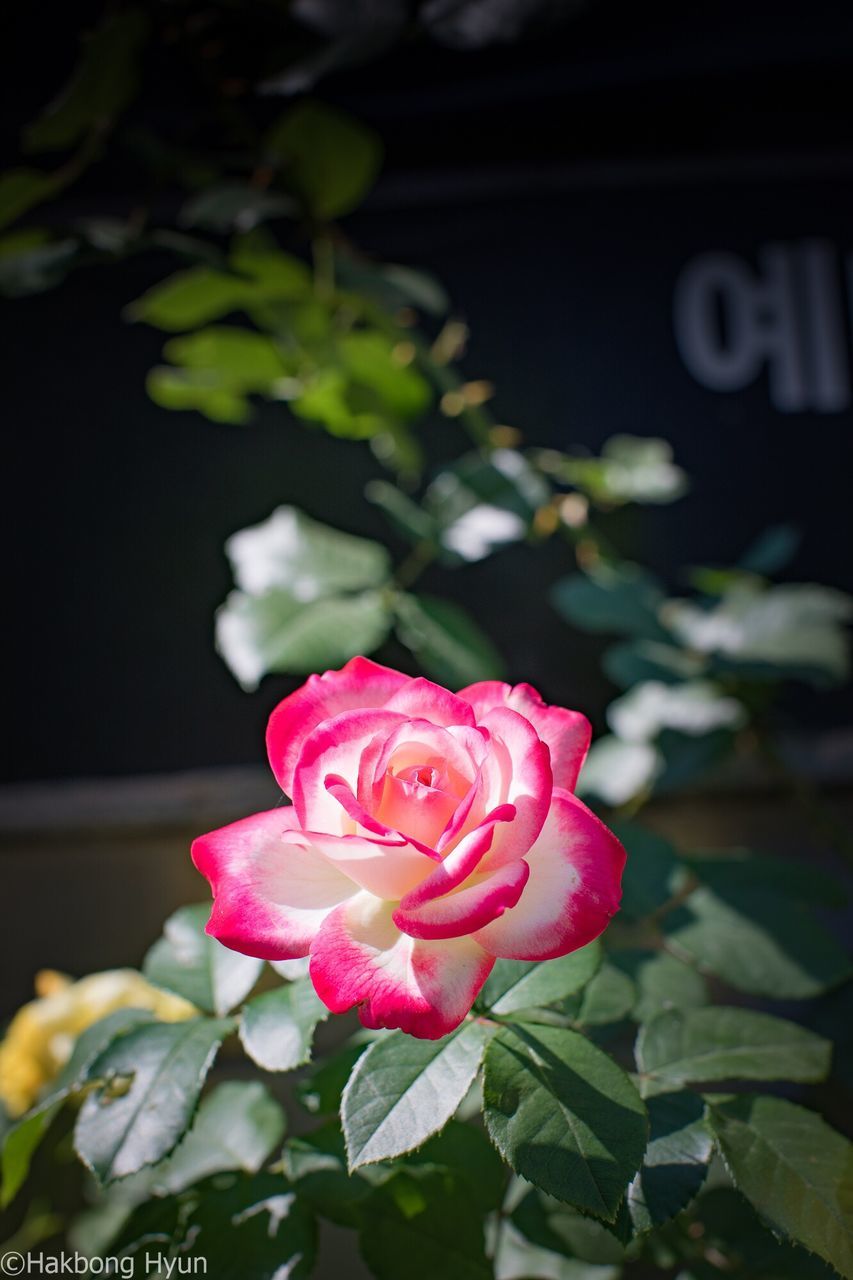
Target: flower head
{"points": [[429, 833]]}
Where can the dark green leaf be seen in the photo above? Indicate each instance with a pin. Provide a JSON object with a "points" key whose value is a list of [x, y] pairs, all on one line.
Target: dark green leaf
{"points": [[633, 661], [20, 190], [552, 1225], [623, 603], [516, 984], [466, 1152], [717, 1043], [192, 964], [328, 159], [607, 998], [404, 1090], [757, 941], [277, 1028], [662, 982], [650, 876], [426, 1220], [795, 1170], [234, 206], [321, 1092], [150, 1081], [446, 641], [405, 515], [676, 1160], [19, 1146], [772, 550], [104, 82], [564, 1115]]}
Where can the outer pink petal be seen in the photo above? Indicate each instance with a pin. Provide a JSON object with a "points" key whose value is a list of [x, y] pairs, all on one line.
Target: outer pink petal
{"points": [[361, 683], [469, 908], [271, 890], [360, 958], [422, 700], [574, 888], [516, 771], [566, 733], [335, 749]]}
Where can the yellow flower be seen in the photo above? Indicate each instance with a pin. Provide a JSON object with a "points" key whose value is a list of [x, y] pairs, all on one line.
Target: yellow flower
{"points": [[43, 1033]]}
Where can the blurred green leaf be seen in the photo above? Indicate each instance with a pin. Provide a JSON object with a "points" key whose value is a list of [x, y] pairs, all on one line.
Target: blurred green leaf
{"points": [[31, 262], [199, 968], [482, 502], [772, 550], [446, 641], [277, 1027], [564, 1115], [676, 1161], [426, 1220], [237, 1126], [716, 1043], [651, 871], [193, 389], [404, 514], [320, 1093], [236, 358], [607, 998], [304, 557], [795, 1170], [694, 708], [161, 1067], [633, 661], [228, 206], [617, 771], [22, 189], [550, 1224], [369, 357], [105, 80], [623, 601], [392, 286], [662, 982], [630, 469], [328, 159], [276, 632], [757, 940]]}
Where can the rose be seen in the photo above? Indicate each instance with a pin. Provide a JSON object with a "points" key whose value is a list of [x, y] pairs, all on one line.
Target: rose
{"points": [[429, 833]]}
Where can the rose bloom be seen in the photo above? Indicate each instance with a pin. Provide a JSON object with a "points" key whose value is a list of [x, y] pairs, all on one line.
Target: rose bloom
{"points": [[429, 833], [42, 1034]]}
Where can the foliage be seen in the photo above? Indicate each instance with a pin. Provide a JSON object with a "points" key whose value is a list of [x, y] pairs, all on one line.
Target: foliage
{"points": [[574, 1125]]}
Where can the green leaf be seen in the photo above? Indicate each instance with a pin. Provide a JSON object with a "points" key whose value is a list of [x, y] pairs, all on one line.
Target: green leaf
{"points": [[234, 205], [304, 557], [273, 632], [676, 1161], [608, 997], [795, 1170], [370, 359], [277, 1028], [518, 1259], [21, 1140], [237, 1126], [662, 982], [564, 1115], [104, 82], [405, 515], [717, 1043], [446, 641], [188, 299], [20, 190], [192, 964], [184, 389], [630, 469], [772, 550], [693, 708], [467, 1153], [321, 1092], [229, 357], [622, 602], [632, 661], [31, 262], [758, 941], [617, 771], [514, 985], [316, 1163], [404, 1090], [19, 1147], [255, 1228], [328, 159], [122, 1127], [427, 1221], [730, 1225], [650, 876], [552, 1225]]}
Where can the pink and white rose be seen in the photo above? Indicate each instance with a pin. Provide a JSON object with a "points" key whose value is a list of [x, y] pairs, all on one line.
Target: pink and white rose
{"points": [[429, 833]]}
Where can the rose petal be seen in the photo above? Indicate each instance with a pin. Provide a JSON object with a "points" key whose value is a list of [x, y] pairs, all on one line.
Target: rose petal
{"points": [[387, 867], [469, 908], [566, 733], [461, 862], [361, 683], [422, 700], [574, 888], [359, 957], [336, 748], [271, 890], [516, 771]]}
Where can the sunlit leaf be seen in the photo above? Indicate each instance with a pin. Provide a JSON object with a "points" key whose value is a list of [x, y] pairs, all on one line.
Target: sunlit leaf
{"points": [[198, 967]]}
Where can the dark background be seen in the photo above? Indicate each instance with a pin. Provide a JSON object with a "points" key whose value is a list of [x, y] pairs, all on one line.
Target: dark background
{"points": [[557, 184]]}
